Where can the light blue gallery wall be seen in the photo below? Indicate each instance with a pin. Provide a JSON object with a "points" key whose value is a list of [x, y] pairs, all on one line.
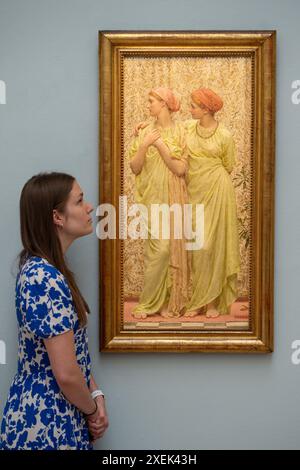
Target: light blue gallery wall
{"points": [[49, 62]]}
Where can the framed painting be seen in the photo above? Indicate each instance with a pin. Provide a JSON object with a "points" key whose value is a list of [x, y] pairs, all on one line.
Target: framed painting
{"points": [[186, 214]]}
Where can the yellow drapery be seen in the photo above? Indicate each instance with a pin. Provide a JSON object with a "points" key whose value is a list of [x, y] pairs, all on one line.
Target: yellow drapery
{"points": [[215, 266], [166, 271]]}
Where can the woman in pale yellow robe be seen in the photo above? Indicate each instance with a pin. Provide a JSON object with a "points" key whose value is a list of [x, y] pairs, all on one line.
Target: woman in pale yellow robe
{"points": [[212, 157], [158, 159]]}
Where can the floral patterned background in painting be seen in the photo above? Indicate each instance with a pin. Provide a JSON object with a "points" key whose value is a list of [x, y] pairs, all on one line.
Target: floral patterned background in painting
{"points": [[230, 77]]}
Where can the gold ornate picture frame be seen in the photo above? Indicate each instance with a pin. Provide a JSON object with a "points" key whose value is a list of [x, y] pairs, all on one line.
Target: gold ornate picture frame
{"points": [[240, 67]]}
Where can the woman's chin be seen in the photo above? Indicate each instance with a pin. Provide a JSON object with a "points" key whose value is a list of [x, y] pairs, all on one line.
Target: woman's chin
{"points": [[89, 230]]}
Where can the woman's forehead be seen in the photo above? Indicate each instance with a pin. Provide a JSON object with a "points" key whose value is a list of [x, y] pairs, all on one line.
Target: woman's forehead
{"points": [[76, 189]]}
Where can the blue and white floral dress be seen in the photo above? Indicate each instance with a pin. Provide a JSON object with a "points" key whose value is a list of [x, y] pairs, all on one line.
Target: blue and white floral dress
{"points": [[37, 415]]}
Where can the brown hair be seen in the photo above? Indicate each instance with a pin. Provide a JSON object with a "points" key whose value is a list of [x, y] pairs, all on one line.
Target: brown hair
{"points": [[40, 195]]}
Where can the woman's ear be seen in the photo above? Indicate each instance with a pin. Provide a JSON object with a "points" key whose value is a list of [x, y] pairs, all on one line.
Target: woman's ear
{"points": [[57, 218]]}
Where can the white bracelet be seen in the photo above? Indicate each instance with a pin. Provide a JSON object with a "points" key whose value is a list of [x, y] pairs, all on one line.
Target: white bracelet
{"points": [[97, 393]]}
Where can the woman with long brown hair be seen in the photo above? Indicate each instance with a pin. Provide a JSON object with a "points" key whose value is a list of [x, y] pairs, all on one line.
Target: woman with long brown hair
{"points": [[53, 402]]}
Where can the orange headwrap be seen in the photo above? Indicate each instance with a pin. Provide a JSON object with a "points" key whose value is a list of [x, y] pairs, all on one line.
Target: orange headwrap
{"points": [[168, 96], [208, 98]]}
